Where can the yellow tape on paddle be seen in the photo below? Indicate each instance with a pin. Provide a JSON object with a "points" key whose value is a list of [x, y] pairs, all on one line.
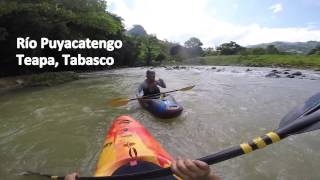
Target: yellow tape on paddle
{"points": [[273, 136], [54, 177], [259, 142], [246, 148]]}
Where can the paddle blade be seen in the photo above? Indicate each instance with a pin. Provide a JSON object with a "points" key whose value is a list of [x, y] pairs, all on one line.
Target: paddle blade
{"points": [[310, 106], [118, 102], [187, 88], [314, 127]]}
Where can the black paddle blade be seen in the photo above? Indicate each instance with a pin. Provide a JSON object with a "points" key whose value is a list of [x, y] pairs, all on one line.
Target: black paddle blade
{"points": [[310, 106]]}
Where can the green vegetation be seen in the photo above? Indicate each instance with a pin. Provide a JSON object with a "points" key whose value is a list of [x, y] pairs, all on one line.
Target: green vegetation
{"points": [[315, 51], [58, 20], [137, 30], [193, 46], [290, 47], [230, 48], [81, 19], [299, 61], [43, 79], [233, 54], [72, 20], [149, 48], [50, 78]]}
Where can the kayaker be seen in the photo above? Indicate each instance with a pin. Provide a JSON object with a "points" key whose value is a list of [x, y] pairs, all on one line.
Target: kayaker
{"points": [[185, 168], [150, 85]]}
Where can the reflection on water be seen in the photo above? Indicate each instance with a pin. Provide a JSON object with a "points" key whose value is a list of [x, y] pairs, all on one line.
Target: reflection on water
{"points": [[60, 129]]}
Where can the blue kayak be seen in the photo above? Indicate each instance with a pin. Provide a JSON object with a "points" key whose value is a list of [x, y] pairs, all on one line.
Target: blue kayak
{"points": [[162, 107]]}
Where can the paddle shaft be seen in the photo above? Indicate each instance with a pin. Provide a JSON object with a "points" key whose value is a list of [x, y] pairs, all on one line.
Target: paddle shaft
{"points": [[263, 141], [121, 101], [154, 94], [245, 148]]}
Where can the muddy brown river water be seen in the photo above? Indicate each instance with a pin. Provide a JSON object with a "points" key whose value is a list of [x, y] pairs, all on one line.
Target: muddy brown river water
{"points": [[60, 129]]}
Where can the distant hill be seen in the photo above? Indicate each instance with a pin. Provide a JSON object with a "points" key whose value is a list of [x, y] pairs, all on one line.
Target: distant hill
{"points": [[291, 47], [137, 30]]}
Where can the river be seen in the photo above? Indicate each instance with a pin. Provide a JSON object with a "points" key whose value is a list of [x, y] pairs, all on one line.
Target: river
{"points": [[60, 129]]}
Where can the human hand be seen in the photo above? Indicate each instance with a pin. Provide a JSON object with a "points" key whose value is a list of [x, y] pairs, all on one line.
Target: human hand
{"points": [[161, 83], [72, 176], [192, 170], [160, 80]]}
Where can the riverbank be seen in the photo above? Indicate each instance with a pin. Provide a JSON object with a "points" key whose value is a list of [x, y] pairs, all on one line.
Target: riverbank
{"points": [[43, 79], [273, 61], [286, 61]]}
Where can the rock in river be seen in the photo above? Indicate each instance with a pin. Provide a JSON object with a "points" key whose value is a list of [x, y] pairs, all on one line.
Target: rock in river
{"points": [[273, 74], [298, 73]]}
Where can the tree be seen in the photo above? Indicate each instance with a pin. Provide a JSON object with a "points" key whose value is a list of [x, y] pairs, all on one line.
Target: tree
{"points": [[258, 51], [160, 58], [72, 20], [178, 52], [175, 50], [209, 52], [55, 19], [230, 48], [151, 46], [193, 46], [193, 43], [271, 49], [137, 30], [3, 34], [315, 50]]}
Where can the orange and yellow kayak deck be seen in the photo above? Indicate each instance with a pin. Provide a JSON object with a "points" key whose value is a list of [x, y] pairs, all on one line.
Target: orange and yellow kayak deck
{"points": [[128, 142]]}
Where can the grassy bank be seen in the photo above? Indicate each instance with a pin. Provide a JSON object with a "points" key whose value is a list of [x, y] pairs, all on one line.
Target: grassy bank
{"points": [[297, 61], [50, 78], [43, 79]]}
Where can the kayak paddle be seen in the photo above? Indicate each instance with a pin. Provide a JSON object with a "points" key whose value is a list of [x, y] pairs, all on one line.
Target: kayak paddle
{"points": [[123, 101], [304, 118]]}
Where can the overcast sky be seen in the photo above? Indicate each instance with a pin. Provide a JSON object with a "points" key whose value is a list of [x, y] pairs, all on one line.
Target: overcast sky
{"points": [[214, 22]]}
